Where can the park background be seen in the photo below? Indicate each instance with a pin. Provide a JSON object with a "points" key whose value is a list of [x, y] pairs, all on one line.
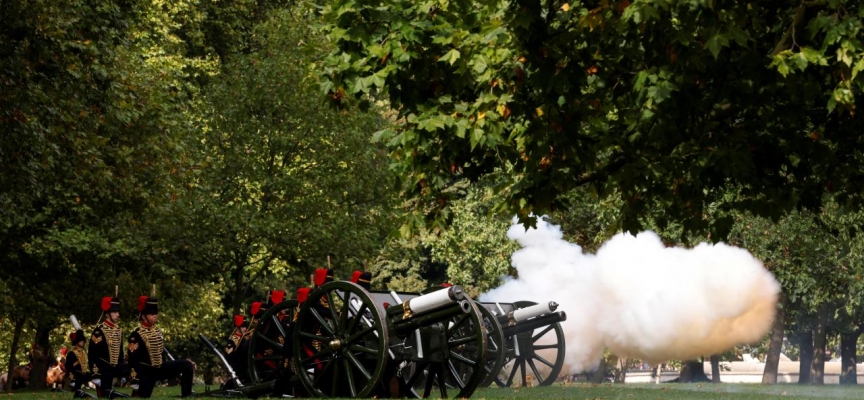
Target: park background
{"points": [[214, 151]]}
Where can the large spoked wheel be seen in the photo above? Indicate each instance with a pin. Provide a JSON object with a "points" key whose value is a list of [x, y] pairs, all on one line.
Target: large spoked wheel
{"points": [[340, 341], [268, 340], [533, 358], [455, 369], [496, 346]]}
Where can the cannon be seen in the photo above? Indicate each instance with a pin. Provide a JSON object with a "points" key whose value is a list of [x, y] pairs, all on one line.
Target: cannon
{"points": [[345, 341], [525, 338]]}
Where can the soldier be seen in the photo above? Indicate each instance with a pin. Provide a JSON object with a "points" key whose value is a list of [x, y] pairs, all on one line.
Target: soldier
{"points": [[146, 345], [105, 351], [236, 350], [77, 365]]}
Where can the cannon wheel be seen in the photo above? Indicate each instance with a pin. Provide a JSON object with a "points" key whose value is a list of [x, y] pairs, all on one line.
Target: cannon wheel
{"points": [[340, 341], [462, 369], [544, 347], [268, 340], [496, 346]]}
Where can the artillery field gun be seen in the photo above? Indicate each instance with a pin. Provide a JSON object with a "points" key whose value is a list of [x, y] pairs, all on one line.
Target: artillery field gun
{"points": [[343, 340]]}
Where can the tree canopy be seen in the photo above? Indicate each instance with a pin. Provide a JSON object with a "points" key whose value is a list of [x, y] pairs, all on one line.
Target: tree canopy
{"points": [[662, 105]]}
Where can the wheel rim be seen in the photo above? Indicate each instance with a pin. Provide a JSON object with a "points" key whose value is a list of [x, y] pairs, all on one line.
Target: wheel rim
{"points": [[461, 371], [540, 359], [496, 346], [340, 349], [268, 340]]}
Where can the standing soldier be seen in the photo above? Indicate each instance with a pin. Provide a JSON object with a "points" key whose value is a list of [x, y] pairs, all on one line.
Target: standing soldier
{"points": [[76, 364], [105, 351], [146, 345]]}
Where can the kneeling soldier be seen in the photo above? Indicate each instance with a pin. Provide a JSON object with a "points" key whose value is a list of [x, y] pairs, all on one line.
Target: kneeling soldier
{"points": [[146, 345], [76, 364]]}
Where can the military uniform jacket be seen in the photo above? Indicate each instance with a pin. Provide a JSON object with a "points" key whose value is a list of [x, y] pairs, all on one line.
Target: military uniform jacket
{"points": [[106, 347], [233, 342], [76, 361], [145, 348]]}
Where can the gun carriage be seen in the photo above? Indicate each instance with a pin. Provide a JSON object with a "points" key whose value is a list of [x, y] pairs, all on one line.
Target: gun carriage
{"points": [[525, 340], [345, 341]]}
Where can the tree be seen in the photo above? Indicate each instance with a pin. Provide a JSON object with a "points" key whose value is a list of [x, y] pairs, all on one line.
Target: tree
{"points": [[289, 183], [656, 104], [94, 103]]}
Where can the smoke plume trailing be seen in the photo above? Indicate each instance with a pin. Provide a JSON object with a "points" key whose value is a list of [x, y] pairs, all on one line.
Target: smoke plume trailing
{"points": [[639, 298]]}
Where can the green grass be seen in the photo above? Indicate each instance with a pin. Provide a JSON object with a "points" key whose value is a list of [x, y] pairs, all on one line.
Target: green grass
{"points": [[666, 391]]}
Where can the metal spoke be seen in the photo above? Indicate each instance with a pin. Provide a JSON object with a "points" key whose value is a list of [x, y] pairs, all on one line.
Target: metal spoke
{"points": [[543, 360], [524, 371], [455, 375], [358, 335], [462, 358], [534, 370], [543, 332], [324, 324], [358, 316], [359, 366], [350, 377], [461, 320], [334, 382], [322, 372], [362, 349], [316, 355], [545, 346], [268, 340], [278, 324], [313, 336], [461, 341], [332, 304]]}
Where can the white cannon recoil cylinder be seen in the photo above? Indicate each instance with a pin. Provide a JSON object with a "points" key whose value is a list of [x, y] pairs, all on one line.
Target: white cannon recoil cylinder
{"points": [[436, 299], [534, 311]]}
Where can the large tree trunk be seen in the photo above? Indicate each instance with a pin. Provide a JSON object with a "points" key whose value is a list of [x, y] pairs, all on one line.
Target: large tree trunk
{"points": [[13, 361], [820, 332], [693, 371], [849, 357], [806, 354], [715, 368], [772, 360], [41, 353]]}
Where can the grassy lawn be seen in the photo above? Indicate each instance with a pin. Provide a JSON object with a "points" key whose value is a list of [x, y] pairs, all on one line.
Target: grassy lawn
{"points": [[669, 391]]}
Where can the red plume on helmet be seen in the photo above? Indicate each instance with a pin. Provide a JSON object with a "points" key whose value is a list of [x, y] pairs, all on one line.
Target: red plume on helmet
{"points": [[276, 296], [256, 306], [142, 301], [106, 303], [238, 320], [302, 294], [323, 275]]}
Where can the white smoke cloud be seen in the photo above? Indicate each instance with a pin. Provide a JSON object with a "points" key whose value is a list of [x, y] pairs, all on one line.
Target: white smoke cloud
{"points": [[641, 299]]}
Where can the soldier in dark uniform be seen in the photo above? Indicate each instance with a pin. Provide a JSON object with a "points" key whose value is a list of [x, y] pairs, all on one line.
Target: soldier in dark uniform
{"points": [[105, 351], [77, 365], [145, 349], [236, 350]]}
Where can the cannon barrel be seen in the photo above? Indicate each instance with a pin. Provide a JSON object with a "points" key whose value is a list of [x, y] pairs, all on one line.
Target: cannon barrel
{"points": [[530, 325], [404, 327], [426, 302], [537, 310]]}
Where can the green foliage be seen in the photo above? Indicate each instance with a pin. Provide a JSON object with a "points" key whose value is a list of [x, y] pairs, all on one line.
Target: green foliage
{"points": [[653, 104], [286, 184]]}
